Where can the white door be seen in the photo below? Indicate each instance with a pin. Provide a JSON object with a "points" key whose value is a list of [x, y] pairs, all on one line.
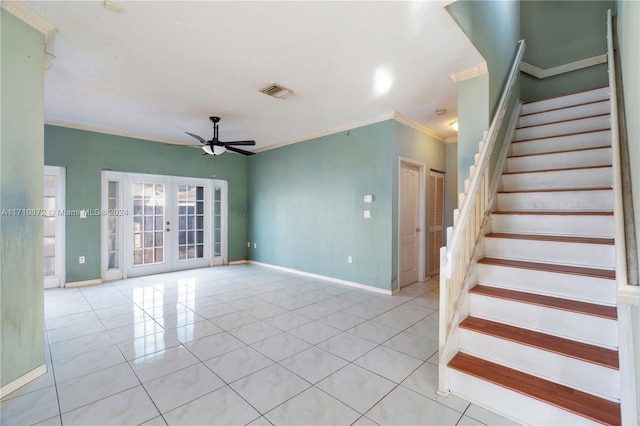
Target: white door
{"points": [[154, 224], [436, 220], [410, 229], [54, 226]]}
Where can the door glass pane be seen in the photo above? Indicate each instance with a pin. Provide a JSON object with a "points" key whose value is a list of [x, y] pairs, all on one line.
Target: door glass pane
{"points": [[113, 230], [50, 183], [148, 215], [217, 221], [190, 219]]}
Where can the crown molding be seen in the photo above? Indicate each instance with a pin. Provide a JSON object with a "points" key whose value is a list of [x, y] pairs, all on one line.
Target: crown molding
{"points": [[451, 140], [333, 131], [112, 132], [30, 18], [420, 127], [561, 69], [468, 73]]}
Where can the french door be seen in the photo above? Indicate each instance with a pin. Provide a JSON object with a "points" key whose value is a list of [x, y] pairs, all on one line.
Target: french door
{"points": [[155, 224]]}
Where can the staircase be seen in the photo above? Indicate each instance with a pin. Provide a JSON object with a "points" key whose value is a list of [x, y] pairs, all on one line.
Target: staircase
{"points": [[539, 344]]}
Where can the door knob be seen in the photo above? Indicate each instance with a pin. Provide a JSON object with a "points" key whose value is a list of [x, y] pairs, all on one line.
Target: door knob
{"points": [[167, 229], [418, 229]]}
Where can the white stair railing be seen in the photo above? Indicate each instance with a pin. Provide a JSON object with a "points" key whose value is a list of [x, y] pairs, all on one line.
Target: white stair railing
{"points": [[474, 207]]}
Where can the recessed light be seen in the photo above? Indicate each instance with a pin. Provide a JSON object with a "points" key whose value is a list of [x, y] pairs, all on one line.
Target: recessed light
{"points": [[454, 124]]}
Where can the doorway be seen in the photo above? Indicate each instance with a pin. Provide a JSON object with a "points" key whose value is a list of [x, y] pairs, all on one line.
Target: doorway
{"points": [[436, 220], [54, 226], [411, 213], [154, 224]]}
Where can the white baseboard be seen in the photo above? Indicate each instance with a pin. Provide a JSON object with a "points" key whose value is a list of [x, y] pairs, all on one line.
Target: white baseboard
{"points": [[238, 262], [22, 380], [83, 283], [324, 277]]}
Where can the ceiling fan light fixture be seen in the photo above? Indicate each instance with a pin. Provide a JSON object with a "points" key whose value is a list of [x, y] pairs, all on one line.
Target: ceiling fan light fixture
{"points": [[217, 150]]}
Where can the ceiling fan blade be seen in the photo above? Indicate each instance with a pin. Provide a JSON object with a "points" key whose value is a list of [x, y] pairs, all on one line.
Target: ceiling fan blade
{"points": [[240, 151], [197, 137], [240, 143]]}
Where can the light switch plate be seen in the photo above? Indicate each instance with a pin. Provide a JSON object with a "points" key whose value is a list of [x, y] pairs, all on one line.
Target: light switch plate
{"points": [[368, 198], [367, 214]]}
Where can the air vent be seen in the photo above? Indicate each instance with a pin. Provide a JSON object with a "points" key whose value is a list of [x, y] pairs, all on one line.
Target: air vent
{"points": [[276, 91]]}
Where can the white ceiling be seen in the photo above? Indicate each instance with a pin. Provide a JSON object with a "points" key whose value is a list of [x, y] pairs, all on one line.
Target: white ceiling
{"points": [[160, 68]]}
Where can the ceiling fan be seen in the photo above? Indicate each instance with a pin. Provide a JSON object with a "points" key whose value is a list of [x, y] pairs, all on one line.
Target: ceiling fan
{"points": [[216, 146]]}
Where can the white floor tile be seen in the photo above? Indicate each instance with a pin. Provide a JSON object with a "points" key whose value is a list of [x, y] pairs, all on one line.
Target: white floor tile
{"points": [[270, 387], [281, 346], [233, 320], [130, 407], [221, 407], [87, 362], [425, 381], [347, 346], [80, 344], [405, 407], [147, 345], [313, 364], [30, 408], [416, 346], [312, 407], [389, 363], [342, 320], [94, 386], [487, 417], [190, 332], [360, 389], [215, 345], [314, 332], [135, 331], [162, 363], [374, 331], [237, 364], [180, 387], [287, 321]]}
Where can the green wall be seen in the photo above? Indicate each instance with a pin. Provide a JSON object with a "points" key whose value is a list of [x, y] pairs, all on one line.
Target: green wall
{"points": [[628, 19], [552, 42], [451, 185], [494, 29], [306, 205], [21, 187], [85, 154]]}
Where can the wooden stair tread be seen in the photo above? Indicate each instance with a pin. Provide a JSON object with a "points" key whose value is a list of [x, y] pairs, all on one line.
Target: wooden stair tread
{"points": [[557, 238], [581, 403], [562, 121], [564, 107], [551, 267], [604, 188], [563, 151], [554, 213], [578, 350], [601, 311], [557, 136], [564, 169]]}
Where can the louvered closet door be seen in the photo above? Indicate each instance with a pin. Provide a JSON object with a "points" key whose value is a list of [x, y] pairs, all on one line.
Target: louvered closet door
{"points": [[436, 220]]}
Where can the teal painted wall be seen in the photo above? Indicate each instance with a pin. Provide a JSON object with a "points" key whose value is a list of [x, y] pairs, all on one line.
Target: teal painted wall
{"points": [[473, 119], [451, 184], [552, 42], [416, 145], [85, 154], [21, 187], [628, 20], [494, 29], [306, 205]]}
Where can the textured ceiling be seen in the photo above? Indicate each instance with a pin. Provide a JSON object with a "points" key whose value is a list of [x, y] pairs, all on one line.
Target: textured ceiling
{"points": [[160, 68]]}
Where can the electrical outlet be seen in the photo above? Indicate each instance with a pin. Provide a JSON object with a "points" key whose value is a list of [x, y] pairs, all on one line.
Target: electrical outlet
{"points": [[249, 244], [349, 259], [255, 245], [81, 259], [367, 214]]}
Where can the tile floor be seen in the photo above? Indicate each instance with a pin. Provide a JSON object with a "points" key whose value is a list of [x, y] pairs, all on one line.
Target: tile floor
{"points": [[239, 345]]}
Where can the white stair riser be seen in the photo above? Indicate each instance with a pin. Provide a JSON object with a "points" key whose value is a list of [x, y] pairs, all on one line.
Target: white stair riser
{"points": [[510, 404], [562, 160], [576, 287], [570, 113], [597, 200], [563, 253], [565, 225], [562, 143], [565, 101], [601, 177], [595, 379], [584, 328], [563, 128]]}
